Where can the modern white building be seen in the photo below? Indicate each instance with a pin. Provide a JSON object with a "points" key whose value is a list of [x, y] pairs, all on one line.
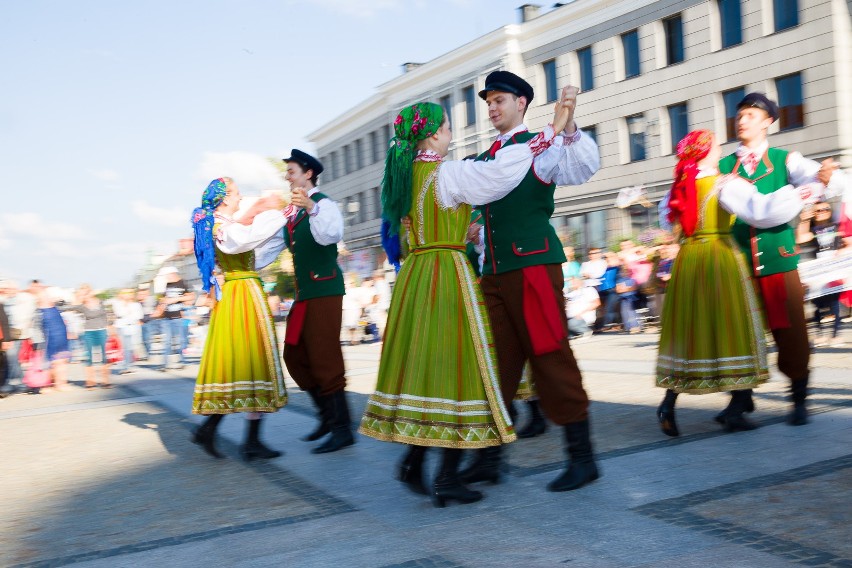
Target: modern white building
{"points": [[649, 71]]}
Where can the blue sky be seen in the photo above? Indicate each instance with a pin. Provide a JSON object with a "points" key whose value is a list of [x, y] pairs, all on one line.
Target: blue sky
{"points": [[115, 114]]}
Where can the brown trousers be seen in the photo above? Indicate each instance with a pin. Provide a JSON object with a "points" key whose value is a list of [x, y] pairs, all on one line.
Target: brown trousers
{"points": [[556, 375], [794, 350], [317, 361]]}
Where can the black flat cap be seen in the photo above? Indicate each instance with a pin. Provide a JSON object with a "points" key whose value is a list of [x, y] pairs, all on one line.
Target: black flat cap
{"points": [[507, 82], [305, 160], [761, 101]]}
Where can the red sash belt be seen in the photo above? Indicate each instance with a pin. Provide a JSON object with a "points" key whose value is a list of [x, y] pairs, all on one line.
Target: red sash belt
{"points": [[774, 292], [295, 323], [541, 311]]}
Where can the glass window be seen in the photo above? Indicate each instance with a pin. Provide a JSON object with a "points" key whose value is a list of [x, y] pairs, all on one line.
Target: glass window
{"points": [[445, 103], [333, 166], [375, 146], [587, 78], [596, 228], [679, 122], [359, 158], [347, 159], [592, 131], [786, 14], [732, 99], [550, 80], [790, 101], [630, 44], [730, 18], [636, 134], [377, 202], [469, 106], [674, 39]]}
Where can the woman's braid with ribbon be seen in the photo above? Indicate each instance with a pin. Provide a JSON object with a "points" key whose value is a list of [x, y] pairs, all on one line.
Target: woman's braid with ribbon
{"points": [[683, 203], [202, 225], [413, 124]]}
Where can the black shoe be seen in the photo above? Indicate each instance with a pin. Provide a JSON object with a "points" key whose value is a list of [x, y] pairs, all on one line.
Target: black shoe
{"points": [[258, 451], [738, 423], [799, 416], [253, 448], [448, 486], [582, 468], [537, 424], [339, 440], [485, 467], [451, 489], [666, 415], [734, 419], [411, 470], [576, 476], [341, 427], [205, 435], [799, 390], [323, 428], [749, 407]]}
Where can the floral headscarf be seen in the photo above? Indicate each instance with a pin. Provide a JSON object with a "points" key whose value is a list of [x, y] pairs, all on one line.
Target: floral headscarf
{"points": [[202, 225], [413, 124], [683, 204]]}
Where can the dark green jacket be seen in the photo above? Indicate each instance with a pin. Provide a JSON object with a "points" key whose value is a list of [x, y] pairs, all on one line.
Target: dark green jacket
{"points": [[518, 232], [772, 250], [315, 265]]}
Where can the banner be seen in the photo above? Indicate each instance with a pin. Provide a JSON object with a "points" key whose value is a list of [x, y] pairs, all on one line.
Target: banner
{"points": [[825, 276]]}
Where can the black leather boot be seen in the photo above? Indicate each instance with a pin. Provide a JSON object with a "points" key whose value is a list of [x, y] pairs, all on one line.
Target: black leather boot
{"points": [[720, 418], [666, 414], [253, 448], [485, 466], [205, 435], [411, 469], [734, 419], [799, 390], [323, 428], [448, 486], [537, 424], [582, 468], [341, 427]]}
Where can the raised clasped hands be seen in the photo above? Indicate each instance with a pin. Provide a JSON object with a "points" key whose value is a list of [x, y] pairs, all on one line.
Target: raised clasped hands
{"points": [[563, 119], [301, 199]]}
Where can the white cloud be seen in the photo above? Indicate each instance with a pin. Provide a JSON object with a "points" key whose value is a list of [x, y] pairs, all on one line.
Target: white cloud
{"points": [[168, 216], [33, 225], [109, 176], [61, 249], [251, 172]]}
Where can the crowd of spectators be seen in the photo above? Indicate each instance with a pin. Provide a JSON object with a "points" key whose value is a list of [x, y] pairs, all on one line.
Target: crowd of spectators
{"points": [[44, 329]]}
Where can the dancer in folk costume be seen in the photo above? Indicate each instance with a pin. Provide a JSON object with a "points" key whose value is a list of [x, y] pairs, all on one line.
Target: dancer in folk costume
{"points": [[712, 331], [764, 233], [240, 369], [522, 277], [438, 383]]}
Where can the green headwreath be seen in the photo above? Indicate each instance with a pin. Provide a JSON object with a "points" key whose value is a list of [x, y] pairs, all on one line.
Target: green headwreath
{"points": [[413, 124]]}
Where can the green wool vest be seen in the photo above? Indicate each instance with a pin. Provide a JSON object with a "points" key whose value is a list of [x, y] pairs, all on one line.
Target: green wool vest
{"points": [[518, 232], [772, 250], [315, 265]]}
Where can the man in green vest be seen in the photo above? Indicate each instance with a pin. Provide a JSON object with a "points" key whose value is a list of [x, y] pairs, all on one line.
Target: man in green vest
{"points": [[312, 350], [522, 278], [784, 181]]}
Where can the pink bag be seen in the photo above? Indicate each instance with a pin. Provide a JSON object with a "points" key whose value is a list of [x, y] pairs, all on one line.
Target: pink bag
{"points": [[36, 376]]}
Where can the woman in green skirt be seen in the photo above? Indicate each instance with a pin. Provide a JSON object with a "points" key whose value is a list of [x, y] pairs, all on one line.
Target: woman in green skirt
{"points": [[240, 369], [437, 383], [712, 336]]}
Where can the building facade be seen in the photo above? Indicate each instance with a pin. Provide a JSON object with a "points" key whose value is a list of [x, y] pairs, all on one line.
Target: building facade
{"points": [[649, 72]]}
